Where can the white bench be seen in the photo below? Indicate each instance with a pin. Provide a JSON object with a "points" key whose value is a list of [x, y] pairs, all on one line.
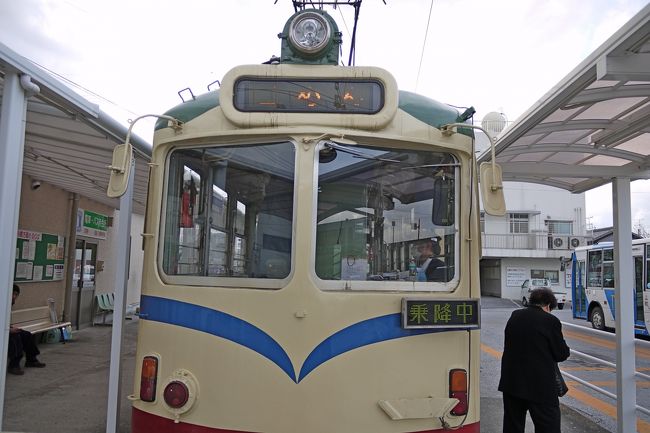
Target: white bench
{"points": [[38, 319]]}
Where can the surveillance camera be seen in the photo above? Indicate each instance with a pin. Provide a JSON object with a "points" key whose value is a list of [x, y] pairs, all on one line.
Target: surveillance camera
{"points": [[36, 184]]}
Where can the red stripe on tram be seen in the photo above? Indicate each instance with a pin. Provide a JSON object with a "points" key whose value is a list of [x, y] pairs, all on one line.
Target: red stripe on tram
{"points": [[144, 422]]}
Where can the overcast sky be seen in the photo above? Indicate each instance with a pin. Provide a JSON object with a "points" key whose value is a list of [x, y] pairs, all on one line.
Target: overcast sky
{"points": [[496, 55]]}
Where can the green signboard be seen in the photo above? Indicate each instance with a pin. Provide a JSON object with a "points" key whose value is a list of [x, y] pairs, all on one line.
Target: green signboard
{"points": [[91, 224], [449, 313], [39, 256]]}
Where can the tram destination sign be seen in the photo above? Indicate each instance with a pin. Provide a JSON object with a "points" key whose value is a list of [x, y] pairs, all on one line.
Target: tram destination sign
{"points": [[441, 313]]}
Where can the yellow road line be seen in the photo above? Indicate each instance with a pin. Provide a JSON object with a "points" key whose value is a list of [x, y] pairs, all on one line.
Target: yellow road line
{"points": [[606, 408], [490, 351], [597, 341], [581, 396]]}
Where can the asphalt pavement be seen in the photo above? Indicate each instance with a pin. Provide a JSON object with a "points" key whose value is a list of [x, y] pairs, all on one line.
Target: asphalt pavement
{"points": [[70, 394]]}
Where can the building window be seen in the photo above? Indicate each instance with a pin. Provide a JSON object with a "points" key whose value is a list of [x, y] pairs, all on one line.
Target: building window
{"points": [[560, 227], [552, 276], [518, 222]]}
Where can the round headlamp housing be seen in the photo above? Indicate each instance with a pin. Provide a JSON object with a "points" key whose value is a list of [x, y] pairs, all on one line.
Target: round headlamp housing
{"points": [[309, 32]]}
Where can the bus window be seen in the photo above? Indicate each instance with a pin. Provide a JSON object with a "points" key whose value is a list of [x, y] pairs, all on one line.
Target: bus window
{"points": [[594, 272], [647, 267], [608, 268], [638, 288], [228, 211], [375, 219]]}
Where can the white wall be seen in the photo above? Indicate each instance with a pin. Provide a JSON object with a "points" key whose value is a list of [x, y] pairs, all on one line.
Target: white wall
{"points": [[515, 270], [135, 268]]}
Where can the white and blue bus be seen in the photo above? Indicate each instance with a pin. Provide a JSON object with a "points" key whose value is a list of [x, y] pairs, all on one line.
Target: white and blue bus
{"points": [[593, 285]]}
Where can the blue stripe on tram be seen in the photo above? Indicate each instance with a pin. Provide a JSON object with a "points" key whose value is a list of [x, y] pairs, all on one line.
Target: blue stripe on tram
{"points": [[239, 331]]}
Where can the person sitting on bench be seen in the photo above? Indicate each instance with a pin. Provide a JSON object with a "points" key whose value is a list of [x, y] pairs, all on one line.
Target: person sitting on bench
{"points": [[21, 341]]}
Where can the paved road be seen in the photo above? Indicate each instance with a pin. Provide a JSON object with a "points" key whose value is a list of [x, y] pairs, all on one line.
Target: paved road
{"points": [[70, 394]]}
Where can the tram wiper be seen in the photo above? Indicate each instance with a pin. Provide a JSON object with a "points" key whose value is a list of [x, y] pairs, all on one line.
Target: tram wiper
{"points": [[356, 153], [452, 164]]}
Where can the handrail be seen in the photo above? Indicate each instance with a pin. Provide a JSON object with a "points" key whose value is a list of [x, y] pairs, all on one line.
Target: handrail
{"points": [[601, 361], [603, 333], [607, 363]]}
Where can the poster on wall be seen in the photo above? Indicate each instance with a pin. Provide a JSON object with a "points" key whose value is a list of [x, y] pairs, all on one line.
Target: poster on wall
{"points": [[38, 255], [515, 277], [91, 224]]}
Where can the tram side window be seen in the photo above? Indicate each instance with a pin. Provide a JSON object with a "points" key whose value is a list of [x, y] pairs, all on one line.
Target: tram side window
{"points": [[386, 215], [229, 211]]}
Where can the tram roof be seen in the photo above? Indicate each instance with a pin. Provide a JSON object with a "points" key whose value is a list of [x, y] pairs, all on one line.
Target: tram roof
{"points": [[426, 110], [591, 127], [68, 140]]}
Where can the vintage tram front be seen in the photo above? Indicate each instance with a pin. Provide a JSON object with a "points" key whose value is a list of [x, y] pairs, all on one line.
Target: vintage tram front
{"points": [[311, 255]]}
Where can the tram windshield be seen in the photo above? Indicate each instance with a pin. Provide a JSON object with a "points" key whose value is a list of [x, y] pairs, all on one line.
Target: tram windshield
{"points": [[229, 211], [386, 215]]}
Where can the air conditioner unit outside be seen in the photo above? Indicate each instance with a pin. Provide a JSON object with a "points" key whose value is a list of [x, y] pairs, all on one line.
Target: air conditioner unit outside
{"points": [[558, 243], [575, 241]]}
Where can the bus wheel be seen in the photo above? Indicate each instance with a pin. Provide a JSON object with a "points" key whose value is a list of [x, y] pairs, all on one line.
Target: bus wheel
{"points": [[598, 319]]}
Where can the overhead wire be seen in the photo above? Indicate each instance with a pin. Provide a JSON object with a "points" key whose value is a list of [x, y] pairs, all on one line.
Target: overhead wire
{"points": [[79, 86], [424, 44]]}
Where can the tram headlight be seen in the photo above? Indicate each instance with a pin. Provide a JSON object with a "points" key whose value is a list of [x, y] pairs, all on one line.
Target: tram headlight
{"points": [[309, 32]]}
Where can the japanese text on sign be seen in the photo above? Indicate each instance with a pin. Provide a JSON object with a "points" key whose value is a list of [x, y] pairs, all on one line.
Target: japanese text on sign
{"points": [[426, 313]]}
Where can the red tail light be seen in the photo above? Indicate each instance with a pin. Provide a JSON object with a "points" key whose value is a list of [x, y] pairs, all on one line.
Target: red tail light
{"points": [[458, 389], [176, 394], [148, 378]]}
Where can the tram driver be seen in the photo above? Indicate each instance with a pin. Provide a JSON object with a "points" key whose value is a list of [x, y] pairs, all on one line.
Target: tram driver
{"points": [[430, 267]]}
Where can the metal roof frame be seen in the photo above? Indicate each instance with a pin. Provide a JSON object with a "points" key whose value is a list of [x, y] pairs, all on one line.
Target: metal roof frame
{"points": [[591, 127], [69, 140]]}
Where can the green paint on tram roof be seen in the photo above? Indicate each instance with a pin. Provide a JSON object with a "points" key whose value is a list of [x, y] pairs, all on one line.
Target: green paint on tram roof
{"points": [[422, 108], [190, 109], [431, 112]]}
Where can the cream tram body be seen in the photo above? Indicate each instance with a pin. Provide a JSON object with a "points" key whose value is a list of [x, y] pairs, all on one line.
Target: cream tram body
{"points": [[280, 250]]}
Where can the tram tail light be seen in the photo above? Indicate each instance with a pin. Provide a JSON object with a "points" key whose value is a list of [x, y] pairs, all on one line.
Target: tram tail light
{"points": [[148, 378], [458, 389], [176, 394]]}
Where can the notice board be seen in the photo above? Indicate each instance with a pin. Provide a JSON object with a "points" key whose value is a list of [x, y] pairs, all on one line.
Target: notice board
{"points": [[39, 256]]}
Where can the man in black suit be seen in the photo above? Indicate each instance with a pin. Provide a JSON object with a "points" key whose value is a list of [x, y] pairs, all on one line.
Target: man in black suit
{"points": [[431, 268], [534, 344]]}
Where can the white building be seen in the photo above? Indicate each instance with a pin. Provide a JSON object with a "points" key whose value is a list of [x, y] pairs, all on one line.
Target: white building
{"points": [[534, 239]]}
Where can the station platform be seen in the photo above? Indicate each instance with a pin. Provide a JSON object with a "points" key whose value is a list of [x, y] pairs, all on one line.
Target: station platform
{"points": [[70, 394], [572, 421]]}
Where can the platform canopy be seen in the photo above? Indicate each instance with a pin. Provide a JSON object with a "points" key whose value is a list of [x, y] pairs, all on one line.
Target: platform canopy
{"points": [[591, 127], [68, 140]]}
